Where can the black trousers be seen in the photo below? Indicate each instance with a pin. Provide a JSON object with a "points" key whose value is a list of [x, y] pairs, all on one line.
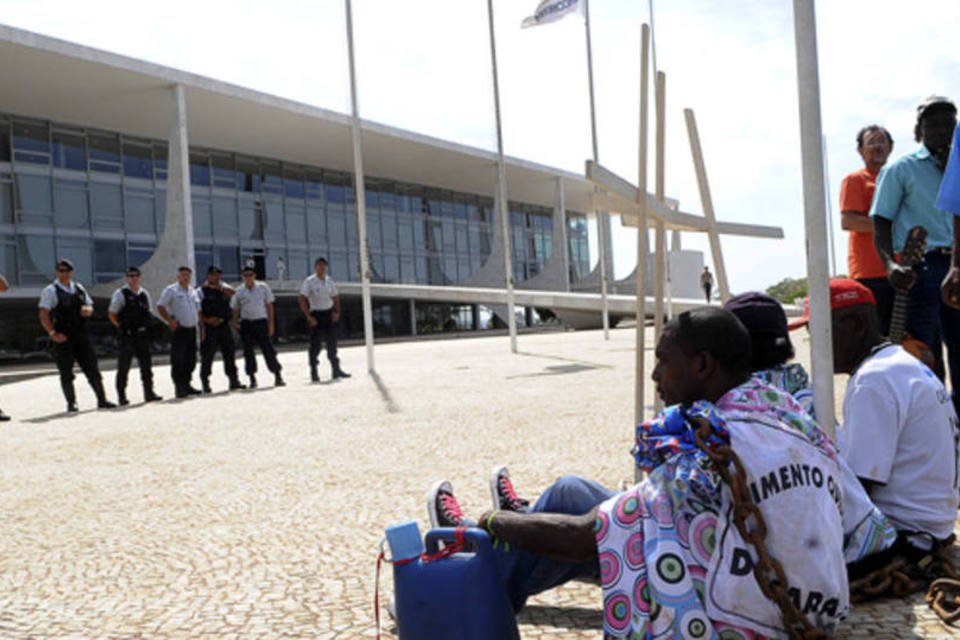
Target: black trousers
{"points": [[884, 293], [77, 349], [215, 338], [183, 356], [254, 333], [707, 289], [135, 343], [325, 333]]}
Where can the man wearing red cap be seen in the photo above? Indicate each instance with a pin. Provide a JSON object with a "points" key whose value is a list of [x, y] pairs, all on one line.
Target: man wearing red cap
{"points": [[899, 433]]}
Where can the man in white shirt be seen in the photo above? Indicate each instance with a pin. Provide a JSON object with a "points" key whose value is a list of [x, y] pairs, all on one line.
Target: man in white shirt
{"points": [[320, 303], [252, 305], [899, 432], [179, 306], [130, 312], [64, 309]]}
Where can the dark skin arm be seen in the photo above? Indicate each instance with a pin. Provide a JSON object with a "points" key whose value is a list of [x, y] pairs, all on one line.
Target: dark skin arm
{"points": [[855, 221], [554, 535], [950, 289], [901, 278]]}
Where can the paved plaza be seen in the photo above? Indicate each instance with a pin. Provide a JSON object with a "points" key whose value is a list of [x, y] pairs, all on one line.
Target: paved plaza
{"points": [[258, 514]]}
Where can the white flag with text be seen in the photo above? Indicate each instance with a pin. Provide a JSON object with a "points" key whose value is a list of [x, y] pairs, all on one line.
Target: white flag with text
{"points": [[551, 11]]}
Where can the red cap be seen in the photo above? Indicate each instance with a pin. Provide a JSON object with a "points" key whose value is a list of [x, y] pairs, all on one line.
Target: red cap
{"points": [[844, 292]]}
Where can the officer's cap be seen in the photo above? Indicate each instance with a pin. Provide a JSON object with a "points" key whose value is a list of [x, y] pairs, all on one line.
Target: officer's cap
{"points": [[133, 271], [65, 263]]}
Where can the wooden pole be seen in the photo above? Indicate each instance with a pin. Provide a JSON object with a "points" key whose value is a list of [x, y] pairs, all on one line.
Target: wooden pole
{"points": [[706, 201]]}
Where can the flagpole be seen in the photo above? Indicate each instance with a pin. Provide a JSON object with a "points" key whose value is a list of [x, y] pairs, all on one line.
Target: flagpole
{"points": [[502, 188], [601, 217], [361, 200]]}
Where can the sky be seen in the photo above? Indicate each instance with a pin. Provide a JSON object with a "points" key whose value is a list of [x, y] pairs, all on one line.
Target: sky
{"points": [[424, 65]]}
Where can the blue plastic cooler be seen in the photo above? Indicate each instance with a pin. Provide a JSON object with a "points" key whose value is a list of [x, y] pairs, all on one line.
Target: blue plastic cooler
{"points": [[456, 597]]}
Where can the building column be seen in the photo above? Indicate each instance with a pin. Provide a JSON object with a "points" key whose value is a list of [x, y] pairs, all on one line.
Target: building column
{"points": [[175, 246], [560, 219], [413, 317], [475, 316]]}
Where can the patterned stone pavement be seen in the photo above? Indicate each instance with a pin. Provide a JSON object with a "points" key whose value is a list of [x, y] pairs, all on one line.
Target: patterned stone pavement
{"points": [[258, 514]]}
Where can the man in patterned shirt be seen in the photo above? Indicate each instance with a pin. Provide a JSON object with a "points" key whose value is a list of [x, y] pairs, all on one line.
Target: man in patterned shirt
{"points": [[669, 563]]}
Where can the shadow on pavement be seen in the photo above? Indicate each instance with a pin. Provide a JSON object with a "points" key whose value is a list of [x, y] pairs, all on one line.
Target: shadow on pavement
{"points": [[569, 617], [384, 393], [583, 363]]}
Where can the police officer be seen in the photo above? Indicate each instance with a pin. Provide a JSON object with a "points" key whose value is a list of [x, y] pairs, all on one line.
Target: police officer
{"points": [[252, 305], [179, 306], [64, 309], [130, 313], [4, 285], [320, 302], [215, 330]]}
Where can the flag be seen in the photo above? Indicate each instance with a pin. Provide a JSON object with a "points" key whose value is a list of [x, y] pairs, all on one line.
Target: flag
{"points": [[551, 11]]}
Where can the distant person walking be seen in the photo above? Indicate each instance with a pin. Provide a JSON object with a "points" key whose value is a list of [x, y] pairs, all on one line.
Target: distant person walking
{"points": [[216, 332], [906, 197], [706, 283], [179, 306], [320, 303], [130, 313], [4, 285], [252, 306], [64, 309], [874, 144]]}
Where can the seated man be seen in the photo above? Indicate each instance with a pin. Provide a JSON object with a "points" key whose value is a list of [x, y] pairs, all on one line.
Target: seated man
{"points": [[672, 560], [865, 529], [899, 432]]}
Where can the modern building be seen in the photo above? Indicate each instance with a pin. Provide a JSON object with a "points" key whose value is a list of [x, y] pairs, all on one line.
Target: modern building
{"points": [[113, 161]]}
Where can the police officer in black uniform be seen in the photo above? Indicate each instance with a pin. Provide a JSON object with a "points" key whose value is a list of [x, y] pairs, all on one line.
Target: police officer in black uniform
{"points": [[216, 331], [64, 309], [130, 313]]}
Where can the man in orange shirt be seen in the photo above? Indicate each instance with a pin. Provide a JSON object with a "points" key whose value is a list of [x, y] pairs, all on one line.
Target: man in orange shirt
{"points": [[874, 144]]}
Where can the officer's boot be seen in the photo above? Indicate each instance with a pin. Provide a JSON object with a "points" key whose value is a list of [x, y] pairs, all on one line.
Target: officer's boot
{"points": [[102, 402], [314, 376], [122, 397], [70, 395], [337, 371], [205, 383], [148, 393], [253, 381], [236, 384]]}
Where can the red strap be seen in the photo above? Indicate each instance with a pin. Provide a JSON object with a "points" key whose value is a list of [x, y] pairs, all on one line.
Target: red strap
{"points": [[458, 545], [376, 592]]}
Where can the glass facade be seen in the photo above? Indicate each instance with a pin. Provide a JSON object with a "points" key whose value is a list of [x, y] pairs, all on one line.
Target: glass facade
{"points": [[579, 246], [99, 198]]}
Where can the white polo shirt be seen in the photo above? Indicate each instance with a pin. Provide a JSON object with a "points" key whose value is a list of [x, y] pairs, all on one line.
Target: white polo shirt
{"points": [[252, 302], [319, 293], [900, 430], [182, 303]]}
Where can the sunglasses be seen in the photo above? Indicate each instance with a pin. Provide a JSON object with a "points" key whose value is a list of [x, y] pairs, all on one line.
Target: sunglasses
{"points": [[64, 270]]}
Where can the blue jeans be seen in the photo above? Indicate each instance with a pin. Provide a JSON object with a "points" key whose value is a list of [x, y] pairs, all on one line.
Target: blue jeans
{"points": [[525, 573], [933, 322]]}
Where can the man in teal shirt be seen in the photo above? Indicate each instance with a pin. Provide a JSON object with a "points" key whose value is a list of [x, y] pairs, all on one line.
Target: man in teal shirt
{"points": [[906, 197]]}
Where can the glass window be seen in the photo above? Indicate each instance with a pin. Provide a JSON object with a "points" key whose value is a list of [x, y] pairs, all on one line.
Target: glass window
{"points": [[388, 223], [228, 259], [36, 259], [251, 220], [298, 267], [137, 255], [271, 177], [352, 230], [249, 175], [70, 204], [313, 185], [462, 246], [109, 260], [435, 237], [293, 182], [449, 270], [200, 169], [473, 238], [296, 222], [202, 218], [139, 210], [316, 223], [273, 219], [408, 274], [225, 224], [338, 267], [463, 269], [6, 200], [137, 161], [405, 233], [271, 261], [5, 147], [160, 207], [69, 151], [449, 236], [159, 161], [8, 259], [224, 173], [33, 194], [31, 142], [104, 152], [374, 235], [336, 227], [419, 233], [391, 268], [106, 205], [203, 258], [335, 194], [78, 251], [422, 272]]}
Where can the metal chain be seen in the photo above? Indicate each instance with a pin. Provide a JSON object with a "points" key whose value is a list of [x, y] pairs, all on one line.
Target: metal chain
{"points": [[750, 523]]}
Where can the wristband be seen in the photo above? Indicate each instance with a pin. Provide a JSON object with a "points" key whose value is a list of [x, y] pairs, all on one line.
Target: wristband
{"points": [[488, 524]]}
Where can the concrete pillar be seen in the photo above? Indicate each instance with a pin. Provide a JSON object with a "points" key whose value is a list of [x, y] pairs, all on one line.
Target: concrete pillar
{"points": [[175, 247], [560, 224], [475, 316], [675, 241], [413, 317], [528, 316]]}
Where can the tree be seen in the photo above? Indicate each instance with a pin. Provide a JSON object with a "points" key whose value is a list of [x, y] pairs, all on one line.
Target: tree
{"points": [[788, 290]]}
